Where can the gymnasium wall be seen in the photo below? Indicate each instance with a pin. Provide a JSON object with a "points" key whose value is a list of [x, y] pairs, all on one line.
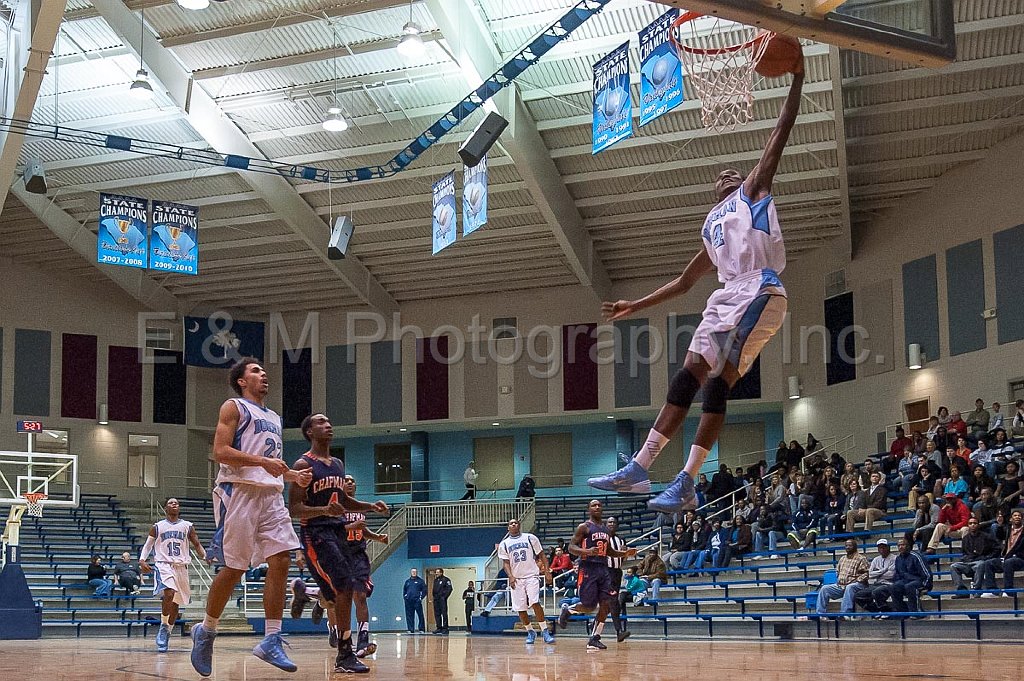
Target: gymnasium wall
{"points": [[941, 257]]}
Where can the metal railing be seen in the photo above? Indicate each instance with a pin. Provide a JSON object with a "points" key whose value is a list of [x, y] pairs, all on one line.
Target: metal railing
{"points": [[1007, 410], [395, 528], [480, 512], [204, 578]]}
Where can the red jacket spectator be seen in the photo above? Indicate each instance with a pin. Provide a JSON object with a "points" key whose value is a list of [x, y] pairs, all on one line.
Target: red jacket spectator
{"points": [[957, 424], [898, 445], [561, 563], [955, 514]]}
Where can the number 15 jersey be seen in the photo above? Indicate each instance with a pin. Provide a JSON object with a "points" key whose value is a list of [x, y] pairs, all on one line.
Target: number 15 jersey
{"points": [[172, 542], [521, 553]]}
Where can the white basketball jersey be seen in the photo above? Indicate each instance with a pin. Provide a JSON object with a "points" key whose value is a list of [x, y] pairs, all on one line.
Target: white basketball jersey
{"points": [[521, 553], [259, 433], [743, 236], [172, 542]]}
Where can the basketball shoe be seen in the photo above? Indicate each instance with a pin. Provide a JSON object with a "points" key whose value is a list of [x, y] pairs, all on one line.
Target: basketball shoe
{"points": [[679, 496], [630, 478]]}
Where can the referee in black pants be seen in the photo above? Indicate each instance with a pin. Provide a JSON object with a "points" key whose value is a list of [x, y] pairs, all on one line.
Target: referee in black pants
{"points": [[615, 567]]}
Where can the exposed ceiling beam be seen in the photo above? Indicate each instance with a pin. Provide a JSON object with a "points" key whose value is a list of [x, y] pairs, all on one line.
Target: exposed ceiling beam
{"points": [[424, 222], [197, 173], [110, 157], [471, 43], [931, 131], [915, 105], [230, 244], [967, 66], [835, 70], [653, 194], [895, 164], [30, 40], [120, 120], [134, 5], [211, 123], [133, 281]]}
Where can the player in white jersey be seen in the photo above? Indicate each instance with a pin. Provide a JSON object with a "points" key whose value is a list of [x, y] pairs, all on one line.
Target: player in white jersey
{"points": [[742, 240], [170, 538], [253, 524], [524, 561]]}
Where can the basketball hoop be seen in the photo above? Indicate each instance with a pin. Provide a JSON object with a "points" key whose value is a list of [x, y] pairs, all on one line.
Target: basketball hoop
{"points": [[720, 69], [34, 505]]}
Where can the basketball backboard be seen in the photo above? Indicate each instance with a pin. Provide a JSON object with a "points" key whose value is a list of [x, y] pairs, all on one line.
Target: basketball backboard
{"points": [[916, 31], [55, 475]]}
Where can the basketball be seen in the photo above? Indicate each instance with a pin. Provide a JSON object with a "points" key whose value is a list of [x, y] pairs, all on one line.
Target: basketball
{"points": [[781, 55]]}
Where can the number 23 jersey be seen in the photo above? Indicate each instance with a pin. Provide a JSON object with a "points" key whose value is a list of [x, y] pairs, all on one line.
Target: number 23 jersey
{"points": [[521, 553]]}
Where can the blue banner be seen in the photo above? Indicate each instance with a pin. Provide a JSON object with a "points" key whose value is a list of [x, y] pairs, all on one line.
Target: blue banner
{"points": [[174, 243], [613, 106], [219, 341], [474, 197], [444, 220], [661, 74], [124, 223]]}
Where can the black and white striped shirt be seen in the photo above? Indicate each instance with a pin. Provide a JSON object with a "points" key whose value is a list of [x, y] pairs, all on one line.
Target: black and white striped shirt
{"points": [[617, 544]]}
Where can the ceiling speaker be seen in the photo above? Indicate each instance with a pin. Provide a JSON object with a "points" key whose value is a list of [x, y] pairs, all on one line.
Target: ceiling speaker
{"points": [[341, 234], [483, 138]]}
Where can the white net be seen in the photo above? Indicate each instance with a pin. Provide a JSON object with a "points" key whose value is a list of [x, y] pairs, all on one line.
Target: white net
{"points": [[719, 58], [34, 505]]}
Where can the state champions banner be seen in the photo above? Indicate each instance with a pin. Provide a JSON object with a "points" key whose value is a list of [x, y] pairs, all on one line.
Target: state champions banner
{"points": [[613, 106], [474, 197], [661, 73], [444, 221], [124, 225], [174, 243]]}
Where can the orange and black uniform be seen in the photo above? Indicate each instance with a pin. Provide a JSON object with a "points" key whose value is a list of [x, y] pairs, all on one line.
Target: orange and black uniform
{"points": [[594, 583], [324, 538]]}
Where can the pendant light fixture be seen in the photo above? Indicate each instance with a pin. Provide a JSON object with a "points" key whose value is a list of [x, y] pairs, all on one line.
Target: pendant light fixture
{"points": [[410, 45], [335, 121], [141, 87]]}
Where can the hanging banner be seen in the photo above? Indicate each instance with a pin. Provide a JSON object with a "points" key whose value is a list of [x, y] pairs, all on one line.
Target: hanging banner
{"points": [[613, 106], [174, 243], [661, 73], [444, 221], [474, 197], [121, 239], [219, 341]]}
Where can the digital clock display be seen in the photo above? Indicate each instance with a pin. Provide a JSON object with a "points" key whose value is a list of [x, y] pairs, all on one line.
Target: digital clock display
{"points": [[30, 426]]}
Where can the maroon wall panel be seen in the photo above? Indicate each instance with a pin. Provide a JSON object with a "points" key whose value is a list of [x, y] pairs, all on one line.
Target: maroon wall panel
{"points": [[579, 367], [124, 384], [78, 376], [431, 378]]}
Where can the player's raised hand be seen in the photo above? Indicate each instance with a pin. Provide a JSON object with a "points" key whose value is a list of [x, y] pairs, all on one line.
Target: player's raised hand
{"points": [[301, 478], [617, 310], [381, 508], [384, 539], [275, 467]]}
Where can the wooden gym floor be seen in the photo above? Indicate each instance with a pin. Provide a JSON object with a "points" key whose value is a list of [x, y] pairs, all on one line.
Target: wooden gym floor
{"points": [[432, 658]]}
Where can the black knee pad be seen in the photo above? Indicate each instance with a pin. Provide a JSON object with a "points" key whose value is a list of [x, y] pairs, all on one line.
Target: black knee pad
{"points": [[716, 393], [683, 387]]}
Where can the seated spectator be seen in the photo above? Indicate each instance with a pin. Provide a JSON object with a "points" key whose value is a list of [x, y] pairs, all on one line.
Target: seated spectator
{"points": [[812, 490], [740, 483], [1002, 450], [740, 541], [1017, 424], [717, 549], [881, 573], [793, 492], [878, 493], [781, 454], [1011, 557], [720, 488], [702, 489], [559, 544], [560, 564], [982, 456], [961, 456], [986, 509], [923, 485], [925, 519], [852, 576], [933, 427], [857, 509], [696, 542], [677, 548], [832, 510], [1000, 528], [794, 455], [812, 443], [633, 591], [977, 420], [652, 571], [978, 549], [128, 573], [952, 521], [757, 494], [849, 473], [97, 575], [996, 421], [1008, 491], [919, 442], [955, 484], [942, 416], [864, 474], [803, 526], [837, 462], [744, 510], [829, 477], [257, 573], [911, 577], [527, 488], [943, 440], [900, 443], [777, 496], [770, 526], [978, 481], [924, 459], [956, 425], [906, 468]]}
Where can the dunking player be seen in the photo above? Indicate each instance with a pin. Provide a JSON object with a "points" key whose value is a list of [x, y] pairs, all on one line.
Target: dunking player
{"points": [[743, 241], [171, 538], [253, 525], [524, 560], [356, 534], [320, 507], [592, 543]]}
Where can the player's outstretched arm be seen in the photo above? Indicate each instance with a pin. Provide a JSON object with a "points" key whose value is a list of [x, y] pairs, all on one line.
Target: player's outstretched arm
{"points": [[699, 266], [759, 182], [223, 452]]}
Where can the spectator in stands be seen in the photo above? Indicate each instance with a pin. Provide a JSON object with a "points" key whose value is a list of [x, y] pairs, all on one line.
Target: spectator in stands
{"points": [[1000, 528], [770, 526], [996, 420], [978, 481], [923, 485], [757, 494], [498, 586], [1002, 450], [803, 526], [933, 427], [900, 443], [469, 477], [677, 548], [1009, 489], [97, 575], [849, 474], [741, 541], [832, 510], [943, 441], [878, 493], [952, 521], [978, 549], [796, 483], [955, 484], [695, 544], [1017, 424], [906, 468], [560, 564], [982, 456], [936, 458], [1011, 557], [829, 477], [794, 454], [633, 590], [559, 544], [943, 417], [128, 573], [864, 474], [717, 552], [857, 509], [740, 484], [413, 592], [911, 577], [777, 496], [782, 454], [852, 576], [527, 488], [813, 490], [721, 486], [919, 442], [702, 489], [652, 571], [812, 444], [962, 454], [977, 420], [925, 519], [257, 573], [985, 510], [881, 573], [956, 425], [837, 462]]}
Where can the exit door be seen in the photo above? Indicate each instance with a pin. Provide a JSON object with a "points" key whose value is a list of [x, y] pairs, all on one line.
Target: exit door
{"points": [[460, 576]]}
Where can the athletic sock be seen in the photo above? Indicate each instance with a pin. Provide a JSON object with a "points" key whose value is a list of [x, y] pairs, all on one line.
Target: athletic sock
{"points": [[598, 628], [165, 620], [529, 626], [364, 626], [273, 627], [210, 623], [650, 449], [347, 636], [698, 455]]}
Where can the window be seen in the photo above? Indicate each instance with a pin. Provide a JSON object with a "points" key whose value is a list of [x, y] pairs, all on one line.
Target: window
{"points": [[503, 328], [158, 338], [393, 468], [54, 442], [495, 463], [144, 461], [551, 459]]}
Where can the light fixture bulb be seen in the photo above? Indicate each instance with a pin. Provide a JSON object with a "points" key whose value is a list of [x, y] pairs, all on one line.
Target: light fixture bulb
{"points": [[335, 122], [141, 87], [411, 44], [193, 4]]}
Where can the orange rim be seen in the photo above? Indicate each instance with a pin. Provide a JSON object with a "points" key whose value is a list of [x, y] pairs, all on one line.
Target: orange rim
{"points": [[690, 16]]}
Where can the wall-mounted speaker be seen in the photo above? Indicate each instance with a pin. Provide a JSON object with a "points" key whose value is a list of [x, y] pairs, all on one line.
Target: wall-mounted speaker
{"points": [[483, 138]]}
